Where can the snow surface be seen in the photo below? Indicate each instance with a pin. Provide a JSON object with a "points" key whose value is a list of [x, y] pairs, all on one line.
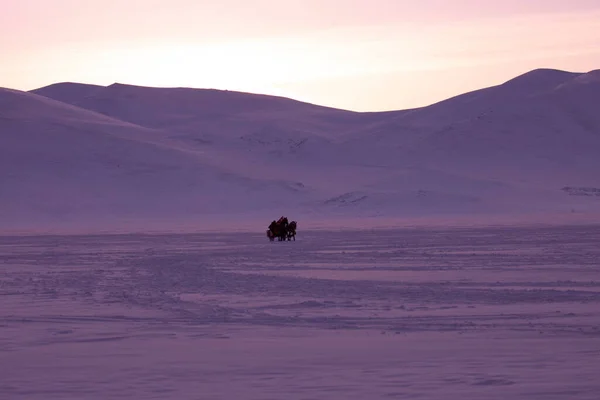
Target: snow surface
{"points": [[85, 157], [471, 313], [504, 307]]}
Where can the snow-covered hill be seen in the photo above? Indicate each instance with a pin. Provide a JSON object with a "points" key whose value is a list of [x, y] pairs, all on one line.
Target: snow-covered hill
{"points": [[511, 146], [84, 154], [62, 165], [207, 112]]}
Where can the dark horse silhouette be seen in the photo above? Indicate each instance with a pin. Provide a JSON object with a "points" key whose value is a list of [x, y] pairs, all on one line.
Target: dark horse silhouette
{"points": [[282, 230], [291, 231]]}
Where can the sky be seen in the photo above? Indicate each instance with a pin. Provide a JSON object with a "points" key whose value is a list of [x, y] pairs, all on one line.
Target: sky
{"points": [[363, 55]]}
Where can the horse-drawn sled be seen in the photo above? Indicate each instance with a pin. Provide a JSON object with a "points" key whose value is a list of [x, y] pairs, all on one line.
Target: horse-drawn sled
{"points": [[282, 230]]}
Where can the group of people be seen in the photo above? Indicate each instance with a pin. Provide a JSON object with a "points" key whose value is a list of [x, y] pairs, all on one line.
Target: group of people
{"points": [[282, 230]]}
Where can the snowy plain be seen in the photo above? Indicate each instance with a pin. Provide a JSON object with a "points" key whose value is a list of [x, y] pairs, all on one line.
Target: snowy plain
{"points": [[414, 313]]}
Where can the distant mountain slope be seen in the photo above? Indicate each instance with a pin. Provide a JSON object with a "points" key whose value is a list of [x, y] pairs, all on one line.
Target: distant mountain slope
{"points": [[255, 127], [71, 151], [60, 163], [539, 126], [68, 92], [15, 104], [194, 110]]}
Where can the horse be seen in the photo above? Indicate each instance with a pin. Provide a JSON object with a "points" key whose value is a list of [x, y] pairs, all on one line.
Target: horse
{"points": [[282, 225], [291, 231]]}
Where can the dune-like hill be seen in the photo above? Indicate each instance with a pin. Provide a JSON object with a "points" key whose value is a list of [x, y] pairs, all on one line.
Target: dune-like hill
{"points": [[61, 164], [539, 124], [189, 110], [71, 151]]}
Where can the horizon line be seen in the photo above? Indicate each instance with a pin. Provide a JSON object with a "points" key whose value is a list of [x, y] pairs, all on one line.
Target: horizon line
{"points": [[31, 91]]}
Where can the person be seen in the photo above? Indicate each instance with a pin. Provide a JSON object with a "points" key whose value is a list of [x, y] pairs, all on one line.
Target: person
{"points": [[273, 227], [271, 232]]}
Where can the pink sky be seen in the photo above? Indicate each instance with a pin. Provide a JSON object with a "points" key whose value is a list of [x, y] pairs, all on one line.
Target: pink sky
{"points": [[356, 54]]}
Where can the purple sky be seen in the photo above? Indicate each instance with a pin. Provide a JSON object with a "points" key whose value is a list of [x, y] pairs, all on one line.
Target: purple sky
{"points": [[354, 54]]}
